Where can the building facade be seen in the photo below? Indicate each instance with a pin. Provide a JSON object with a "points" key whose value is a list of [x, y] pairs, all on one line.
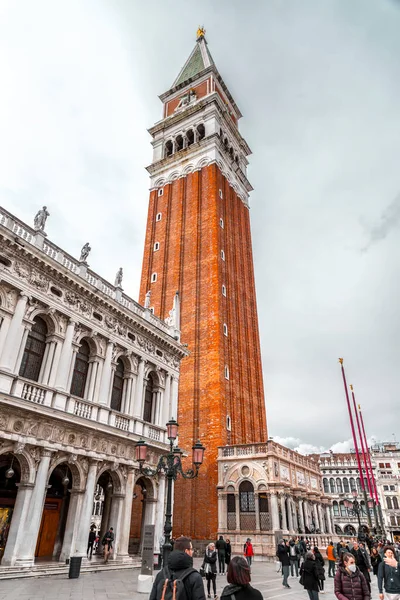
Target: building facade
{"points": [[386, 460], [198, 241], [85, 372], [266, 491]]}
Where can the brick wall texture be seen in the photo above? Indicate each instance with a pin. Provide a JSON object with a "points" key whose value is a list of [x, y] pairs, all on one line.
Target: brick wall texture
{"points": [[189, 260]]}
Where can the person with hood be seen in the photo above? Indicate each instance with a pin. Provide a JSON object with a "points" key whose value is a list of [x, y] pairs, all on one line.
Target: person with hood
{"points": [[248, 551], [221, 549], [362, 561], [309, 576], [210, 568], [350, 583], [294, 555], [283, 557], [180, 567], [389, 575], [319, 560], [239, 577]]}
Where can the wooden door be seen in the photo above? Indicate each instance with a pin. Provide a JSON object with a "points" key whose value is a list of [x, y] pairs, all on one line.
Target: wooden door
{"points": [[48, 528]]}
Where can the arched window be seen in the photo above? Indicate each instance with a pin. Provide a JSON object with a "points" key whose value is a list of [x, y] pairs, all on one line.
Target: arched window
{"points": [[339, 485], [201, 131], [332, 485], [34, 351], [395, 503], [389, 503], [246, 494], [326, 485], [231, 510], [81, 368], [358, 484], [168, 148], [346, 487], [118, 386], [343, 509], [335, 509], [148, 400], [352, 484]]}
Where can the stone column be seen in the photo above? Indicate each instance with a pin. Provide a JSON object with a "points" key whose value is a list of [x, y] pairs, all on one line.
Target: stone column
{"points": [[14, 336], [316, 519], [306, 515], [290, 515], [222, 516], [127, 397], [137, 405], [86, 510], [72, 525], [166, 410], [64, 364], [16, 535], [283, 510], [26, 550], [104, 394], [257, 506], [117, 500], [301, 516], [124, 530], [321, 519], [274, 511], [174, 398], [49, 361], [329, 519], [160, 514], [237, 506], [5, 324], [294, 509], [55, 363]]}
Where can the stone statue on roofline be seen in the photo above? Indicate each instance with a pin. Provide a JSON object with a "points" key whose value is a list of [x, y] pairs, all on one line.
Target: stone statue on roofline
{"points": [[118, 278], [147, 299], [85, 252], [40, 219]]}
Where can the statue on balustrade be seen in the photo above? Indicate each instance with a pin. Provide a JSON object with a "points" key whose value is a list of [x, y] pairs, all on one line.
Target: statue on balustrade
{"points": [[40, 219], [147, 299], [118, 278], [85, 252]]}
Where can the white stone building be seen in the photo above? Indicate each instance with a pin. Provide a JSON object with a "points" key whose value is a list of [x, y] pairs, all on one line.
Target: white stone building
{"points": [[386, 460], [85, 372], [266, 491]]}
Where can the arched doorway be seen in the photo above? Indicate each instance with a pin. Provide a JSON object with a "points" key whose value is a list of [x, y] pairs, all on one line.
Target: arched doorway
{"points": [[142, 505], [55, 512], [349, 530], [10, 476]]}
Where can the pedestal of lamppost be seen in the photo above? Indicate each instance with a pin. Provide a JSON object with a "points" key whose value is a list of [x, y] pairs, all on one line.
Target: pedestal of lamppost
{"points": [[171, 465]]}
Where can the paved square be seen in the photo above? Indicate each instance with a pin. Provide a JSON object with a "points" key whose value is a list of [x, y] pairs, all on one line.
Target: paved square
{"points": [[121, 585]]}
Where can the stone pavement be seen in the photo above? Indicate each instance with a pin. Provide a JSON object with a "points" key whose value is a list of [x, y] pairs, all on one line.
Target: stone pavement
{"points": [[121, 585]]}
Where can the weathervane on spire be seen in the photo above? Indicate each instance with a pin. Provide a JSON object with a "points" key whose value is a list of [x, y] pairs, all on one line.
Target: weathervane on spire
{"points": [[201, 32]]}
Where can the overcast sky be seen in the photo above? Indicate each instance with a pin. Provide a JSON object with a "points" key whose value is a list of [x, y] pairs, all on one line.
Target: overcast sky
{"points": [[318, 83]]}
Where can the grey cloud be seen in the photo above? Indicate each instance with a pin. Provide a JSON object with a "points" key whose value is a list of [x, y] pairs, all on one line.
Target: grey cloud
{"points": [[389, 220]]}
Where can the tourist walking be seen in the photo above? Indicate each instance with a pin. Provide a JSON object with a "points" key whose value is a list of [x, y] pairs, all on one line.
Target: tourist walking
{"points": [[350, 583], [228, 551], [389, 575], [331, 555], [283, 557], [179, 568], [375, 559], [309, 576], [319, 561], [294, 555], [221, 550], [91, 540], [107, 543], [362, 561], [248, 551], [210, 568], [239, 577]]}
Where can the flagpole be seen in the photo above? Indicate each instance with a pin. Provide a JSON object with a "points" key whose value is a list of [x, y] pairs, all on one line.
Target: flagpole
{"points": [[371, 493], [377, 502], [352, 426]]}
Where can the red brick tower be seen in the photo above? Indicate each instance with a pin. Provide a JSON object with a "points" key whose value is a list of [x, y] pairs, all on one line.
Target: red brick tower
{"points": [[198, 242]]}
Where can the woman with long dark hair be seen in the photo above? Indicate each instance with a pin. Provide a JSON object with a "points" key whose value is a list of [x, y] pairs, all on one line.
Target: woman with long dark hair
{"points": [[319, 560], [239, 578], [375, 558], [228, 551]]}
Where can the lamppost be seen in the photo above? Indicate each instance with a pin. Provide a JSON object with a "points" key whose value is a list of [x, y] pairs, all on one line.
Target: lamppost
{"points": [[356, 507], [171, 465]]}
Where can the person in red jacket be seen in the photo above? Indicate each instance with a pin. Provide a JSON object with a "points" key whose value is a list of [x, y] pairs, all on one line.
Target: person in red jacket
{"points": [[248, 551], [350, 583]]}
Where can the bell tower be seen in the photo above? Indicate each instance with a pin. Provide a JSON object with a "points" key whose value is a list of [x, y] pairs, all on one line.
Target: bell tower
{"points": [[198, 242]]}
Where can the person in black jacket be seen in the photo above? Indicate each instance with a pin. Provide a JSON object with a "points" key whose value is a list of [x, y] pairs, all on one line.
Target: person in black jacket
{"points": [[210, 568], [92, 537], [180, 564], [309, 576], [228, 551], [375, 559], [294, 555], [283, 557], [389, 574], [319, 561], [221, 549], [362, 561], [239, 578]]}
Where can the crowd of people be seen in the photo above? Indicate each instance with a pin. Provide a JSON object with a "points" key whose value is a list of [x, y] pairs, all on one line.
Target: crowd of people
{"points": [[349, 563]]}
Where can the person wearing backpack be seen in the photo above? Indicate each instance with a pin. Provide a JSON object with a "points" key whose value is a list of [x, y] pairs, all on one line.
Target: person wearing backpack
{"points": [[389, 575], [178, 580]]}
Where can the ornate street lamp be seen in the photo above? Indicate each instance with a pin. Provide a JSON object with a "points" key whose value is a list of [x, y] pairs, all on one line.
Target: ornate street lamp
{"points": [[171, 465]]}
